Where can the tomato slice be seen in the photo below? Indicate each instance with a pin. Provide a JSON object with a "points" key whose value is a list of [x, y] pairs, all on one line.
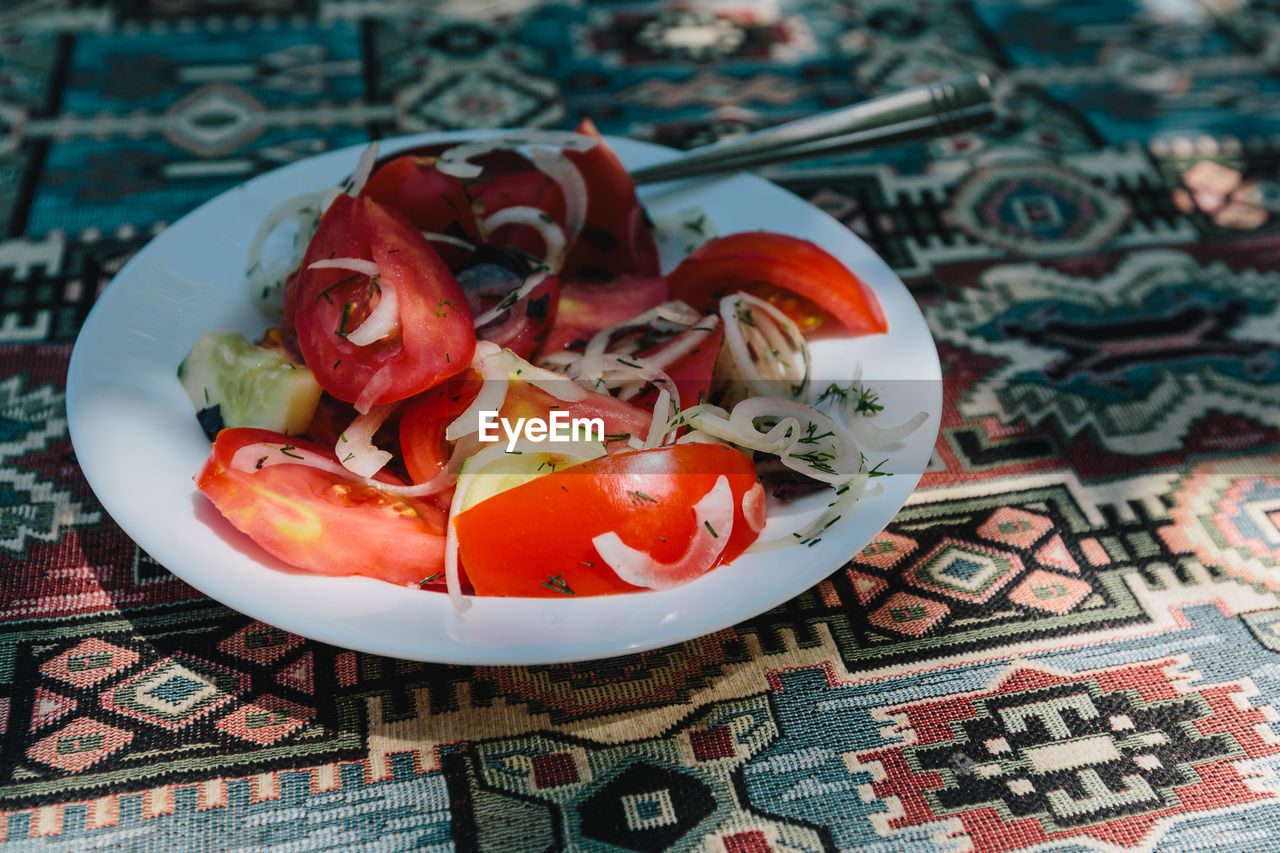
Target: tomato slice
{"points": [[425, 419], [617, 238], [802, 279], [321, 521], [535, 540], [430, 199], [587, 307], [434, 339]]}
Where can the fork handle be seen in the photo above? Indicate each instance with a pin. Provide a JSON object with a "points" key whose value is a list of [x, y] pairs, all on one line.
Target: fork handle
{"points": [[927, 111]]}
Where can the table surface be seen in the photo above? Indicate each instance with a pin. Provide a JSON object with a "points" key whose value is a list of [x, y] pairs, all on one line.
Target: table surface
{"points": [[1066, 640]]}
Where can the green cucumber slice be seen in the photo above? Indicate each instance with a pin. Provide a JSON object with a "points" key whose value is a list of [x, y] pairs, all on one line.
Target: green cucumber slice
{"points": [[233, 383]]}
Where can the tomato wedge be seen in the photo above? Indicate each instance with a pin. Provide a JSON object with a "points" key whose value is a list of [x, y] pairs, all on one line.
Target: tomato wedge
{"points": [[536, 539], [433, 338], [617, 238], [802, 279], [318, 520], [433, 201]]}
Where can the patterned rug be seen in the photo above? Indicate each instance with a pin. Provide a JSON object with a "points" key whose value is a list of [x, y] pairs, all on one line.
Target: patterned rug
{"points": [[1067, 640]]}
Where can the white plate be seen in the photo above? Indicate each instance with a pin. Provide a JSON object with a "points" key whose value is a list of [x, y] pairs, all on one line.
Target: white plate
{"points": [[138, 442]]}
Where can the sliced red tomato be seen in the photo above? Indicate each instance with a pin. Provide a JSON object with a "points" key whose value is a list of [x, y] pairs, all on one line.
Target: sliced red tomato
{"points": [[422, 428], [803, 280], [536, 539], [587, 307], [425, 419], [434, 339], [616, 238], [433, 201], [317, 520]]}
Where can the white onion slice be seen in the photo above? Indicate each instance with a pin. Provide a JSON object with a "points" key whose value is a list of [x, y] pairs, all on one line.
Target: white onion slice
{"points": [[435, 237], [561, 169], [359, 265], [804, 439], [253, 457], [364, 168], [531, 281], [674, 312], [662, 412], [383, 321], [266, 281], [552, 234], [488, 362], [496, 367], [691, 339], [847, 495], [819, 447], [785, 356], [876, 437], [753, 507], [456, 160], [377, 384], [714, 517], [355, 448]]}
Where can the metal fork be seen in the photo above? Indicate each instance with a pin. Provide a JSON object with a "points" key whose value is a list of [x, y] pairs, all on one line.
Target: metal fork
{"points": [[928, 111]]}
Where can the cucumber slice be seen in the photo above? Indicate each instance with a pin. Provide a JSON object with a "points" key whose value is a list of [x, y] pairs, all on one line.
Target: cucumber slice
{"points": [[233, 383]]}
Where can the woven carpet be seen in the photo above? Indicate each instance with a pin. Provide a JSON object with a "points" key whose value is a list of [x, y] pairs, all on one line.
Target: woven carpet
{"points": [[1067, 640]]}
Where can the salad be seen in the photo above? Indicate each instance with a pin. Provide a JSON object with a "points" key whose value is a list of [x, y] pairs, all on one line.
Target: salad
{"points": [[477, 380]]}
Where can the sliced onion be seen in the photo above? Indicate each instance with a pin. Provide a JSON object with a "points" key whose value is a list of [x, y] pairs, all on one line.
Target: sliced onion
{"points": [[716, 422], [530, 282], [355, 448], [673, 312], [266, 283], [376, 386], [607, 372], [753, 508], [839, 510], [714, 517], [804, 439], [552, 234], [876, 437], [548, 380], [364, 168], [774, 331], [496, 366], [815, 433], [433, 237], [662, 412], [488, 362], [253, 457], [693, 338], [456, 160], [359, 265], [383, 321], [697, 436], [561, 169]]}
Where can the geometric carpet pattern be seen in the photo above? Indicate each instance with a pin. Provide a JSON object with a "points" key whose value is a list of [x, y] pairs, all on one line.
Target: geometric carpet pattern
{"points": [[1067, 640]]}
